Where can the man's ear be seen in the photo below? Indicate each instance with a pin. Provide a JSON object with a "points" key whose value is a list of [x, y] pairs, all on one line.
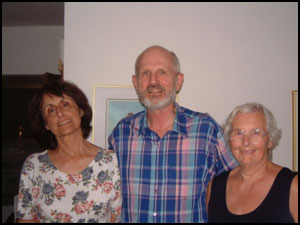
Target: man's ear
{"points": [[134, 81], [179, 81]]}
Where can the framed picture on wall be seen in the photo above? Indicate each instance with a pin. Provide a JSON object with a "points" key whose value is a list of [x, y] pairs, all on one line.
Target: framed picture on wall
{"points": [[111, 104], [295, 129]]}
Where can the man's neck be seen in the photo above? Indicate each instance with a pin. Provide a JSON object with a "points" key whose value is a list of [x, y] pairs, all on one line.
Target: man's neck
{"points": [[161, 121]]}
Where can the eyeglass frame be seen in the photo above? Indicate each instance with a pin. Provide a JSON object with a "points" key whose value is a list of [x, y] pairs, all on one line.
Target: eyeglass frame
{"points": [[250, 134]]}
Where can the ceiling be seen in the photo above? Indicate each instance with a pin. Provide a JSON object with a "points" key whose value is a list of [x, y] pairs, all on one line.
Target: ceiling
{"points": [[32, 14]]}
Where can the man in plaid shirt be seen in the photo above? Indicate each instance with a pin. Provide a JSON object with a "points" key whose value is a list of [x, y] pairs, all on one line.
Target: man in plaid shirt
{"points": [[167, 154]]}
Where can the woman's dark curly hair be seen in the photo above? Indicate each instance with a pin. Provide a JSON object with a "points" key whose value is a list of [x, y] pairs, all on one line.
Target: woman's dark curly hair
{"points": [[58, 88]]}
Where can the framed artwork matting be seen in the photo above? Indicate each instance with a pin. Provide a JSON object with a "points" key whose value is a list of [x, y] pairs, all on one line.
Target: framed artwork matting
{"points": [[111, 103]]}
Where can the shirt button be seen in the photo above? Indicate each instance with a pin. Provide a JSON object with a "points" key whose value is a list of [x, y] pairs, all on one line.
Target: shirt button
{"points": [[154, 214]]}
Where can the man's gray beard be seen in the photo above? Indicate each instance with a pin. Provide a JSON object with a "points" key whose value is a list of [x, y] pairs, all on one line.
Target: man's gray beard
{"points": [[159, 105]]}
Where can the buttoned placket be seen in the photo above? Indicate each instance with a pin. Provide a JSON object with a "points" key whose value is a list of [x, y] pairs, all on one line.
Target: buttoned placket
{"points": [[157, 149]]}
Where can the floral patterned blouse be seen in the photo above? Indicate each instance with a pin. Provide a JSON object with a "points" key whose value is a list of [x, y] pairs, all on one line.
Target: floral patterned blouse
{"points": [[49, 195]]}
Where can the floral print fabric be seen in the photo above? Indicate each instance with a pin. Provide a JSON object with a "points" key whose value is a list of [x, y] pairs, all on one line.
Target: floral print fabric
{"points": [[49, 195]]}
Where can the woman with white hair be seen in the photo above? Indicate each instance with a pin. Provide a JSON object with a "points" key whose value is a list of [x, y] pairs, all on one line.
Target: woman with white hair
{"points": [[257, 190]]}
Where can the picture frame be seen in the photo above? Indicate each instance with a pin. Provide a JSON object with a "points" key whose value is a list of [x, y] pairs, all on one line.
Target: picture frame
{"points": [[111, 103], [295, 129]]}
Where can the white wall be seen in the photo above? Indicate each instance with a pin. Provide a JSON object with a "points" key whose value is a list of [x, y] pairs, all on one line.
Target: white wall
{"points": [[230, 53], [31, 50]]}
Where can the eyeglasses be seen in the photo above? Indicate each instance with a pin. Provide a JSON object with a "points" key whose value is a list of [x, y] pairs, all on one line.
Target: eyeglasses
{"points": [[255, 135]]}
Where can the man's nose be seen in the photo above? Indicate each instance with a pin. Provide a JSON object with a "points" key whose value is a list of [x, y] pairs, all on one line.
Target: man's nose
{"points": [[153, 78]]}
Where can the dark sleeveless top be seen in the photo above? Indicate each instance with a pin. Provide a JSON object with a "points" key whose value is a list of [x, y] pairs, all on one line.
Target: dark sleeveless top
{"points": [[273, 209]]}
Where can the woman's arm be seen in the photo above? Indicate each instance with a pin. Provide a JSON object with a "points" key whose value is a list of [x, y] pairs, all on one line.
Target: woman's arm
{"points": [[25, 221], [116, 202], [208, 190], [294, 199]]}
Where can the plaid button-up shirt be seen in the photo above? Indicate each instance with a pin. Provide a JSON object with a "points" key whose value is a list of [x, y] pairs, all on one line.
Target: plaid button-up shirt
{"points": [[165, 179]]}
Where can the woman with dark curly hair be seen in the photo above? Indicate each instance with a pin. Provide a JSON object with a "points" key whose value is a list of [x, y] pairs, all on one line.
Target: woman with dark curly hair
{"points": [[72, 180]]}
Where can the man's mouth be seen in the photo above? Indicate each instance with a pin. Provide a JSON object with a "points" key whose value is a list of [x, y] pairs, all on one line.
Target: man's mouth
{"points": [[155, 91]]}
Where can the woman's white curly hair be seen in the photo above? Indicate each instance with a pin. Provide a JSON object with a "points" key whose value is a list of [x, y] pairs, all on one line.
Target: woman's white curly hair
{"points": [[273, 132]]}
